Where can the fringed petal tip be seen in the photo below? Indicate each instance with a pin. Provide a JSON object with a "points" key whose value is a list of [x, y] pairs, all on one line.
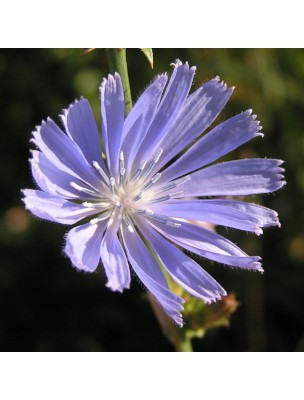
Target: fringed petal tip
{"points": [[259, 268], [102, 87], [178, 319], [111, 86], [217, 79], [256, 266], [75, 262], [254, 123], [214, 295], [280, 174], [65, 111], [274, 222], [176, 315], [178, 64], [36, 132], [38, 128], [117, 286]]}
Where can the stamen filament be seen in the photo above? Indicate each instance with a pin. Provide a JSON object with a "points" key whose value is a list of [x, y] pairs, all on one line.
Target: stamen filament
{"points": [[101, 218], [112, 185], [151, 182], [140, 212], [101, 171], [138, 196], [139, 171], [161, 219], [129, 225], [153, 162], [167, 197], [174, 184], [122, 169], [94, 205], [82, 189], [121, 160]]}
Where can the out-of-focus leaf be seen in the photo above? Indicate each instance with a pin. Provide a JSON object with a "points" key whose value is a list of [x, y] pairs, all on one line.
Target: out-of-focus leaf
{"points": [[87, 51]]}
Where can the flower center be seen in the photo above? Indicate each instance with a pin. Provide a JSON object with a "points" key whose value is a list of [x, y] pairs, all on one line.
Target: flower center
{"points": [[125, 196]]}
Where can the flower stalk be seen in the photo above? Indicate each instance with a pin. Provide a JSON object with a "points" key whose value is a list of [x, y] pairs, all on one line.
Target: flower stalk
{"points": [[183, 344], [118, 63]]}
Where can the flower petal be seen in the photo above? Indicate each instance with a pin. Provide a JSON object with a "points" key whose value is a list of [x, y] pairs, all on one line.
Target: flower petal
{"points": [[174, 98], [80, 126], [51, 180], [83, 245], [199, 111], [234, 214], [114, 259], [112, 111], [208, 244], [140, 117], [186, 272], [145, 268], [240, 177], [219, 141], [63, 153], [54, 208]]}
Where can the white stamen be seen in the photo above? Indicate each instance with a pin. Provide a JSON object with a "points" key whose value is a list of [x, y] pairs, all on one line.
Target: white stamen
{"points": [[140, 212], [100, 218], [169, 186], [161, 219], [174, 184], [183, 180], [101, 171], [117, 204], [176, 194], [154, 161], [121, 176], [156, 178], [129, 225], [158, 154], [139, 171], [149, 212], [121, 159], [82, 189], [87, 204], [167, 197], [160, 199], [138, 196], [112, 185], [122, 169], [158, 218], [151, 182]]}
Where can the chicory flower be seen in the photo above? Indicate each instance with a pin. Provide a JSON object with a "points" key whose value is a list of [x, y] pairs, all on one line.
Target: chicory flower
{"points": [[146, 192]]}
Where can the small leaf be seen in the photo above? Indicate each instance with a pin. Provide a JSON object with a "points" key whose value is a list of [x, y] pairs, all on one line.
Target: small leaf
{"points": [[149, 55], [87, 51]]}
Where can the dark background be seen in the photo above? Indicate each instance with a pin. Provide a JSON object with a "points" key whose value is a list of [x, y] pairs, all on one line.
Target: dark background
{"points": [[46, 305]]}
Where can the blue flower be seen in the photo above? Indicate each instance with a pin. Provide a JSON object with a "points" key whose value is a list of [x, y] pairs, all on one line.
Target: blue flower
{"points": [[147, 193]]}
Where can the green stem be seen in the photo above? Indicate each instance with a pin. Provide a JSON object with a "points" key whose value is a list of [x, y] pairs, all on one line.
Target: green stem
{"points": [[183, 344], [118, 63]]}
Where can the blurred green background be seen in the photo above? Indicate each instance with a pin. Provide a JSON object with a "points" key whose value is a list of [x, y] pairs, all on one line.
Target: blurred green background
{"points": [[46, 305]]}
